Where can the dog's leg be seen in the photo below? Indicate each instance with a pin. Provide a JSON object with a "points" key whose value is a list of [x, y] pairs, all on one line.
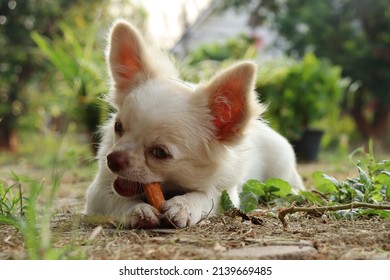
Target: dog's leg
{"points": [[141, 215]]}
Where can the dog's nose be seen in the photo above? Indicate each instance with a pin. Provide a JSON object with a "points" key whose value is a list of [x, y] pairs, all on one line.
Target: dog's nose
{"points": [[117, 161]]}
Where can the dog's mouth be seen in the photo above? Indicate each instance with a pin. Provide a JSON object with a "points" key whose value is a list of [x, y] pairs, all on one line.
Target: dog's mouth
{"points": [[128, 188]]}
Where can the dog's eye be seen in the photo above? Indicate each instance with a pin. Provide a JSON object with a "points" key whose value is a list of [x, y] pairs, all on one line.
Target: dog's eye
{"points": [[160, 153], [118, 128]]}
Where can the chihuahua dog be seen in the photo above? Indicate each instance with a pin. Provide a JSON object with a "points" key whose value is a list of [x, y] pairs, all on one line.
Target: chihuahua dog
{"points": [[195, 140]]}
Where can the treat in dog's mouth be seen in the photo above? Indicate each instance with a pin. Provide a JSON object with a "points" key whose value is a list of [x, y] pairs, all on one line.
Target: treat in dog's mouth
{"points": [[128, 188], [152, 191], [154, 195]]}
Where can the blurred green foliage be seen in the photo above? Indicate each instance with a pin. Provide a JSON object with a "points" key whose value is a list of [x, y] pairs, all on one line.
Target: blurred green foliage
{"points": [[203, 62], [351, 33], [302, 94], [23, 79], [234, 48], [52, 68], [79, 81]]}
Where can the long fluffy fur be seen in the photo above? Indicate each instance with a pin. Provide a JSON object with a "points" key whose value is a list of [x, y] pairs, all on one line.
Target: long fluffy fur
{"points": [[212, 132]]}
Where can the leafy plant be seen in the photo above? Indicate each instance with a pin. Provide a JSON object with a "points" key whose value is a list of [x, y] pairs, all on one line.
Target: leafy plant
{"points": [[301, 94], [372, 185], [367, 194], [369, 186], [255, 192]]}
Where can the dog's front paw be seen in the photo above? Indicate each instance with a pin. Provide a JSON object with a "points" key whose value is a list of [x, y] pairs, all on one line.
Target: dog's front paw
{"points": [[179, 212], [143, 216]]}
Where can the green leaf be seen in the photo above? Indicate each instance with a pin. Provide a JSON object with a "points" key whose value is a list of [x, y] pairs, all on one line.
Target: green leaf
{"points": [[331, 179], [384, 178], [356, 193], [312, 198], [323, 184], [272, 189], [226, 202], [283, 188], [318, 178], [254, 186], [376, 196], [364, 178], [327, 188], [248, 201]]}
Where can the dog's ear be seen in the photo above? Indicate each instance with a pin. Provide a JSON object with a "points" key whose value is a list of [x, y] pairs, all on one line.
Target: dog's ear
{"points": [[127, 59], [232, 101]]}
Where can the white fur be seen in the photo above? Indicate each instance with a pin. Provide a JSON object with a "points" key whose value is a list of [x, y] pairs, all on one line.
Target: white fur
{"points": [[208, 154]]}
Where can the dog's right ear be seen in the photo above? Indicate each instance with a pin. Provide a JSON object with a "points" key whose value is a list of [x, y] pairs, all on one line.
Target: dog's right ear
{"points": [[127, 60]]}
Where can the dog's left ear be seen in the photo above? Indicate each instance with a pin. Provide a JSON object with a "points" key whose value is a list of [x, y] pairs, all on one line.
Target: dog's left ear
{"points": [[232, 100], [128, 60]]}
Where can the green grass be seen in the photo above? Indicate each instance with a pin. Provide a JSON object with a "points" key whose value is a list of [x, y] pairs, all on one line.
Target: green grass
{"points": [[27, 201], [32, 219], [11, 204]]}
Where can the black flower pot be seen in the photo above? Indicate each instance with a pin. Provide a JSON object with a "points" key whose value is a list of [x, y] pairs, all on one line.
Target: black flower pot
{"points": [[307, 148]]}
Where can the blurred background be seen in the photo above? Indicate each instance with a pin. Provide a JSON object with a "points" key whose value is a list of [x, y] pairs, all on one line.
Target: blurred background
{"points": [[324, 69]]}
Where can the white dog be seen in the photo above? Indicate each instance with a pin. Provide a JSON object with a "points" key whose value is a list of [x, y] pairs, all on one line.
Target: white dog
{"points": [[196, 141]]}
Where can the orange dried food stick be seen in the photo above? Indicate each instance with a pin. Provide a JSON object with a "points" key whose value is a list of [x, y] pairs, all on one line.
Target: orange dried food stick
{"points": [[154, 194]]}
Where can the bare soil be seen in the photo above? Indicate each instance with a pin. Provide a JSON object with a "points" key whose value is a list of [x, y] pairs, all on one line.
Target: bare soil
{"points": [[218, 238], [226, 236]]}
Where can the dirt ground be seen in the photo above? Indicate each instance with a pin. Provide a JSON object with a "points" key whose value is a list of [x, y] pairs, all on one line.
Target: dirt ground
{"points": [[226, 236], [221, 237]]}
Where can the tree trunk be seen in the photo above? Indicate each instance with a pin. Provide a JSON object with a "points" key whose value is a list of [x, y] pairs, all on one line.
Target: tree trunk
{"points": [[8, 121], [8, 135]]}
